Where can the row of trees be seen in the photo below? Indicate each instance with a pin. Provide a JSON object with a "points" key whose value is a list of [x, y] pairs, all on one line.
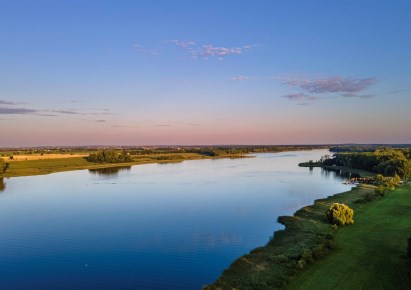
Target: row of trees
{"points": [[109, 156], [389, 162]]}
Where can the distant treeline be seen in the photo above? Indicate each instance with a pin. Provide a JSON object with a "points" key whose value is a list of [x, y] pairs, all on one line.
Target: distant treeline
{"points": [[388, 162], [109, 156], [220, 150], [366, 147]]}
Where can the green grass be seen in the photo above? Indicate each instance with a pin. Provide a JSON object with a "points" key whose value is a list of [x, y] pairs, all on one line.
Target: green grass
{"points": [[47, 166], [310, 254], [371, 253]]}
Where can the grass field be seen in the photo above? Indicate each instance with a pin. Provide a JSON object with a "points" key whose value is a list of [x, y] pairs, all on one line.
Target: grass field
{"points": [[371, 253], [310, 254], [46, 164]]}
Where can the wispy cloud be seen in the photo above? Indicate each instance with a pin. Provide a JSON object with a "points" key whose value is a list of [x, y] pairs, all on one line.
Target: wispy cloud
{"points": [[332, 84], [143, 50], [353, 95], [95, 121], [240, 78], [206, 51], [210, 50], [44, 115], [2, 102], [346, 87], [123, 126], [162, 125], [396, 91], [301, 97], [82, 113], [16, 111], [183, 43], [66, 112]]}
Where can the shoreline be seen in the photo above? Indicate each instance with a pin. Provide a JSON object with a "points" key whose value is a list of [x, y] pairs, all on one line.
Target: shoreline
{"points": [[23, 168], [45, 165], [307, 237]]}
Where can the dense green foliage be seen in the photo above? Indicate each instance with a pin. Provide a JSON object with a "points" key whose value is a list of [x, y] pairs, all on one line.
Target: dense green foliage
{"points": [[109, 156], [170, 157], [340, 214], [370, 254], [389, 162]]}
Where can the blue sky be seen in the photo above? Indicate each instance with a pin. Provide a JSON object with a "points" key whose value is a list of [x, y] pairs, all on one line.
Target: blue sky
{"points": [[204, 72]]}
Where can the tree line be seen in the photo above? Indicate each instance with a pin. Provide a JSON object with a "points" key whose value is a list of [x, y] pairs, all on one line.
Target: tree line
{"points": [[389, 162], [109, 156]]}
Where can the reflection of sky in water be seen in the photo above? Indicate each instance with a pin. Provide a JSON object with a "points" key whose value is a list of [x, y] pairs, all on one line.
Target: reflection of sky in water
{"points": [[154, 226]]}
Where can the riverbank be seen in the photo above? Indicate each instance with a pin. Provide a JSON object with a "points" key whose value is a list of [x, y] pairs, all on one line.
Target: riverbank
{"points": [[342, 170], [47, 165], [371, 253], [311, 254]]}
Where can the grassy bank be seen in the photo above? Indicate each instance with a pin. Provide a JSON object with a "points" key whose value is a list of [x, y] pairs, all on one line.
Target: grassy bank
{"points": [[67, 162], [299, 255], [371, 253]]}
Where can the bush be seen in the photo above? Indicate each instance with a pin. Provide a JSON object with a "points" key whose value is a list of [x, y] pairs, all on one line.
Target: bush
{"points": [[3, 166], [340, 214], [409, 247], [380, 190]]}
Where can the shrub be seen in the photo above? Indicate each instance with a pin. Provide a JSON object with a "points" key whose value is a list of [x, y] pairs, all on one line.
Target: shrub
{"points": [[340, 214], [409, 247], [3, 166], [380, 190]]}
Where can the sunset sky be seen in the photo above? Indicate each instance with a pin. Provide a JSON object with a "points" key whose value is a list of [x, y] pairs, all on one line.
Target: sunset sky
{"points": [[204, 72]]}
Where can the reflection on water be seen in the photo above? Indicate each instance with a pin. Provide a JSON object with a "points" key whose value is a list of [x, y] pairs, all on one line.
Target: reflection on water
{"points": [[2, 184], [109, 171], [169, 226]]}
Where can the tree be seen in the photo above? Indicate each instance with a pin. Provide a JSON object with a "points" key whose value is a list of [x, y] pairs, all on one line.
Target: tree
{"points": [[3, 166], [340, 214]]}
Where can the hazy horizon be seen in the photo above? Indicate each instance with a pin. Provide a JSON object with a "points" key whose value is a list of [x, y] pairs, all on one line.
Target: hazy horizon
{"points": [[139, 73]]}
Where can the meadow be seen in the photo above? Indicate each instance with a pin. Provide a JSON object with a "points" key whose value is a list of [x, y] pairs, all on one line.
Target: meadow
{"points": [[371, 254], [46, 164], [312, 254]]}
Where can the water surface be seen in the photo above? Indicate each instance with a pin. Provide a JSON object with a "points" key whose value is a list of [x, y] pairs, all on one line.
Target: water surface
{"points": [[154, 226]]}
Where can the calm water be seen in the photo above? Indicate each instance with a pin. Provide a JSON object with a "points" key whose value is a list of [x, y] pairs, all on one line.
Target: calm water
{"points": [[170, 226]]}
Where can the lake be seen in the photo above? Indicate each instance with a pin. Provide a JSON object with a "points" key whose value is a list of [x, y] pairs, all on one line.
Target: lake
{"points": [[154, 226]]}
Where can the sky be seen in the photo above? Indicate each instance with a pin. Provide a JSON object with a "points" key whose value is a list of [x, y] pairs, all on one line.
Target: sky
{"points": [[204, 72]]}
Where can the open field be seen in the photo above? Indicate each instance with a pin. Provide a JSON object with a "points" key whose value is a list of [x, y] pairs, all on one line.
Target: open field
{"points": [[44, 157], [38, 166], [366, 255], [371, 253]]}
